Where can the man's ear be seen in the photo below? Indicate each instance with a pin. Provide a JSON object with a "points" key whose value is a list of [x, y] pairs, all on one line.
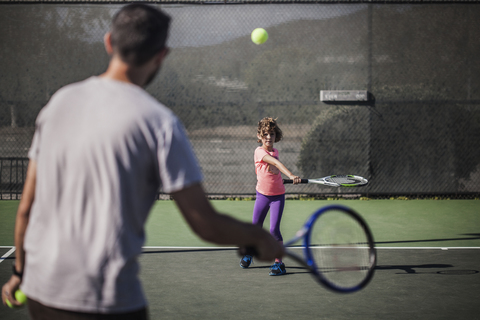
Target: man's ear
{"points": [[107, 40], [161, 55]]}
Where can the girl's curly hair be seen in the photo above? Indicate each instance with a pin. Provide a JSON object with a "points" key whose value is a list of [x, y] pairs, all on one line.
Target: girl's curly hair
{"points": [[267, 125]]}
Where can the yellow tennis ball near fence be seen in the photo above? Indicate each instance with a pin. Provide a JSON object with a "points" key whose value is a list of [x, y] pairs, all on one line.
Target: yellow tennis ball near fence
{"points": [[259, 36]]}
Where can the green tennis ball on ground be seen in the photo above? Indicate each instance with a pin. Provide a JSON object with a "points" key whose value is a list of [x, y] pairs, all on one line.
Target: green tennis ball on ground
{"points": [[259, 36], [20, 297]]}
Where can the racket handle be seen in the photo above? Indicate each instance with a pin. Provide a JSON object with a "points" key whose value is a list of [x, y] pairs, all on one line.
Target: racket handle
{"points": [[251, 251], [287, 181]]}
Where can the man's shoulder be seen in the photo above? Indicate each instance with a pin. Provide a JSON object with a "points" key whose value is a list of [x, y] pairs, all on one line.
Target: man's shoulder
{"points": [[76, 90], [120, 100], [119, 93], [71, 87]]}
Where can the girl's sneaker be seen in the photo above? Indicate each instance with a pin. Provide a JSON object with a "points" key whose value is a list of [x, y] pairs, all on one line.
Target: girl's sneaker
{"points": [[246, 261], [277, 269]]}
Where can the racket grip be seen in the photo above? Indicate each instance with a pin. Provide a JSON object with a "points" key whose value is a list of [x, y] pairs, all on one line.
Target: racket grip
{"points": [[288, 181], [251, 251]]}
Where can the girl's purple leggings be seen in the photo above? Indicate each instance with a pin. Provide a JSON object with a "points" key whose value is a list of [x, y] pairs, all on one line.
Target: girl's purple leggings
{"points": [[260, 210]]}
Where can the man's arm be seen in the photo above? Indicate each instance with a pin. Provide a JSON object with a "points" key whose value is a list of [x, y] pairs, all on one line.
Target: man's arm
{"points": [[21, 222], [221, 229]]}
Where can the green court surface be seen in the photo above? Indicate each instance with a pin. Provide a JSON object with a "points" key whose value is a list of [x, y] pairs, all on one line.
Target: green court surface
{"points": [[394, 223], [428, 266]]}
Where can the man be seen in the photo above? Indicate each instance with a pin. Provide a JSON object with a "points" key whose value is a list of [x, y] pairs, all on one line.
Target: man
{"points": [[101, 149]]}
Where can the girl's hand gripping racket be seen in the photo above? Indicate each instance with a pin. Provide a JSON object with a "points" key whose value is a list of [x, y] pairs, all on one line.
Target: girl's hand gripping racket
{"points": [[336, 181], [338, 249]]}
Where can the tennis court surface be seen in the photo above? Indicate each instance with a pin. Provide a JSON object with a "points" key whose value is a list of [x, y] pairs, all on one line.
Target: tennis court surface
{"points": [[428, 266]]}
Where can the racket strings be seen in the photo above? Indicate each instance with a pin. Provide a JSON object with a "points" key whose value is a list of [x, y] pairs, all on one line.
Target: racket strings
{"points": [[340, 249], [344, 180]]}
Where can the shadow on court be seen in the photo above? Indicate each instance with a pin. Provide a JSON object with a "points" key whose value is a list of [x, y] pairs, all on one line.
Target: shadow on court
{"points": [[209, 284], [471, 236]]}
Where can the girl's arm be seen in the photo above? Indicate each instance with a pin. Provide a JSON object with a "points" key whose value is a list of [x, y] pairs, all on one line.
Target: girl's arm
{"points": [[271, 160]]}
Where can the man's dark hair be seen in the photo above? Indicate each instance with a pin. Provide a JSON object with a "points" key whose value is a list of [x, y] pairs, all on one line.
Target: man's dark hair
{"points": [[139, 31]]}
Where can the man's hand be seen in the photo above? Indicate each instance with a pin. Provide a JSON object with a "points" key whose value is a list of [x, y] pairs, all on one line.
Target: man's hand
{"points": [[266, 249], [8, 291]]}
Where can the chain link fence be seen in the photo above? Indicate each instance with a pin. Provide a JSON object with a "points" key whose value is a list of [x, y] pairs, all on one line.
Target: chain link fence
{"points": [[418, 135]]}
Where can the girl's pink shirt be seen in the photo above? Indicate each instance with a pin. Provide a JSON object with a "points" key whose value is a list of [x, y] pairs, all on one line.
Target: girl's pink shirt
{"points": [[269, 178]]}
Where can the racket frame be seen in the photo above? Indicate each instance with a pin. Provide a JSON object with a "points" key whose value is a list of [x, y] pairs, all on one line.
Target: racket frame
{"points": [[309, 262], [326, 181]]}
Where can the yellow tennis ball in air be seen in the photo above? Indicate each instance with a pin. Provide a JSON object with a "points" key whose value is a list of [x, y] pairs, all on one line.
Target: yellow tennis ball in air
{"points": [[20, 296], [259, 36]]}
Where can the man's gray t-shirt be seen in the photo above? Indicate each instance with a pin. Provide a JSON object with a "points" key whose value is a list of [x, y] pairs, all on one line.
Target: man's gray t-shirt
{"points": [[102, 149]]}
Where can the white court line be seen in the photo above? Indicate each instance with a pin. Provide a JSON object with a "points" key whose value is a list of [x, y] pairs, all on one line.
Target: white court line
{"points": [[203, 248], [6, 255], [235, 248], [377, 248], [428, 248]]}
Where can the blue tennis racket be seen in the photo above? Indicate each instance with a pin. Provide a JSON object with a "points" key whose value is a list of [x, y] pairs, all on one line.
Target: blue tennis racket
{"points": [[338, 249]]}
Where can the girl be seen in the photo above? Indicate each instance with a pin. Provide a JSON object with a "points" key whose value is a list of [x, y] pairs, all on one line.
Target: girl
{"points": [[270, 188]]}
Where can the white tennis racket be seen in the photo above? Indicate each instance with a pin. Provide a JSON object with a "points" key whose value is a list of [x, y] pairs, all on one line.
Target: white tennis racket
{"points": [[347, 181]]}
